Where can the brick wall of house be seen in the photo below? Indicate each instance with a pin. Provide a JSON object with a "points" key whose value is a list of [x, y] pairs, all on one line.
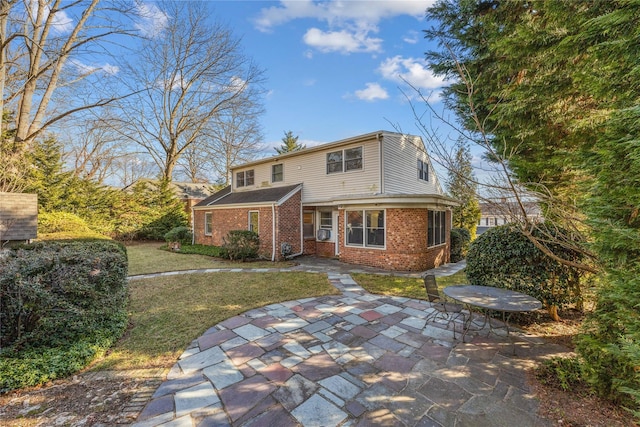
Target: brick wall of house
{"points": [[406, 244], [18, 216], [326, 249], [225, 220], [289, 224]]}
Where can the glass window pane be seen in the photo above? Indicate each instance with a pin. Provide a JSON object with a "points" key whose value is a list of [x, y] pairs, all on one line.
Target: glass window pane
{"points": [[307, 224], [240, 179], [208, 225], [334, 162], [326, 220], [253, 222], [249, 177], [354, 228], [353, 159], [375, 228], [276, 173]]}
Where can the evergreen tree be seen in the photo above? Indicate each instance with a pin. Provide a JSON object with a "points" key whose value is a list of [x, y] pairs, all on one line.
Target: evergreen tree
{"points": [[289, 143], [555, 83], [462, 186], [46, 176]]}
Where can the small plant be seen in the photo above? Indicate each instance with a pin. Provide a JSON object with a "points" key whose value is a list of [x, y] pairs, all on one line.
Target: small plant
{"points": [[180, 234], [564, 373], [241, 245]]}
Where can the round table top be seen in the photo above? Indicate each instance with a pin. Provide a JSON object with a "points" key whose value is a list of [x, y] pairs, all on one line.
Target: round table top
{"points": [[492, 298]]}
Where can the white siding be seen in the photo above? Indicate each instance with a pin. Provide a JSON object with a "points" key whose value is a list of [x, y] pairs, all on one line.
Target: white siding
{"points": [[311, 169], [400, 157]]}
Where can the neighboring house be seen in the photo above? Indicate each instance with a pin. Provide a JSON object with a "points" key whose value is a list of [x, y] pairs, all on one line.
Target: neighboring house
{"points": [[18, 217], [501, 212], [372, 199]]}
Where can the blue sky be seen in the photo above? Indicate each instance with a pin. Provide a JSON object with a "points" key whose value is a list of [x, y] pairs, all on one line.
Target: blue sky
{"points": [[334, 69]]}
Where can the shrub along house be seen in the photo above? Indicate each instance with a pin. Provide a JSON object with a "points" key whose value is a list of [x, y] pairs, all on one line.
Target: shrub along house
{"points": [[372, 199]]}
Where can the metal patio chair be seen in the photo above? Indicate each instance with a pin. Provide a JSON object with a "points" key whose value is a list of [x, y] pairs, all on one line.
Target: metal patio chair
{"points": [[444, 310]]}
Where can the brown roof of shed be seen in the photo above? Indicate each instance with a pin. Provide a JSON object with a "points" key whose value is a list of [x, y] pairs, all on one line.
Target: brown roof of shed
{"points": [[264, 195]]}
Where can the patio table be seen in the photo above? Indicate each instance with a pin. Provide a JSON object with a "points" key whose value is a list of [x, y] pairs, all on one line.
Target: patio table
{"points": [[490, 298]]}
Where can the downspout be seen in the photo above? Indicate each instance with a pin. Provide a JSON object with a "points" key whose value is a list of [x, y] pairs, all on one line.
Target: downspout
{"points": [[273, 232], [193, 226]]}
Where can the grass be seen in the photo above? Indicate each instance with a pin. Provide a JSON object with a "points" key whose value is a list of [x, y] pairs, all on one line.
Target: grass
{"points": [[404, 286], [148, 257]]}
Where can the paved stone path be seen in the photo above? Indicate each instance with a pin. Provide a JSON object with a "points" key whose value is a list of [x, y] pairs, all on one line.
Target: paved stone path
{"points": [[355, 359]]}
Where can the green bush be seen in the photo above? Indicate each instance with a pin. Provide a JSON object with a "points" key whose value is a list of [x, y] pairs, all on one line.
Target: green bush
{"points": [[56, 222], [179, 234], [460, 241], [62, 303], [505, 258], [241, 245], [564, 373]]}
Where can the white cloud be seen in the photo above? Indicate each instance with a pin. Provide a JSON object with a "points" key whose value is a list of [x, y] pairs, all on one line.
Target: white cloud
{"points": [[86, 69], [341, 41], [372, 92], [349, 23], [410, 70], [412, 37], [151, 20], [337, 12]]}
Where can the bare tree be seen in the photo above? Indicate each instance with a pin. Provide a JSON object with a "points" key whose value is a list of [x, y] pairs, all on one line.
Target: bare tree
{"points": [[132, 166], [46, 45], [93, 149], [191, 74]]}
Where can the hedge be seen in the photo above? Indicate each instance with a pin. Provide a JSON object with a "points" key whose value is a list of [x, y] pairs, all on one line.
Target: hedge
{"points": [[61, 304]]}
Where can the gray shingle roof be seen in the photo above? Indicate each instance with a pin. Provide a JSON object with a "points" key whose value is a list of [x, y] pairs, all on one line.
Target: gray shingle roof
{"points": [[266, 195]]}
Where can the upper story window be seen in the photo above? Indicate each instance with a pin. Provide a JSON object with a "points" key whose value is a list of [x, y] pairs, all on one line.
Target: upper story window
{"points": [[436, 228], [344, 160], [277, 173], [423, 170], [244, 178]]}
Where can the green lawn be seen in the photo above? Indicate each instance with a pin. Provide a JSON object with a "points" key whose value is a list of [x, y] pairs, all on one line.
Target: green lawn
{"points": [[146, 258], [405, 286]]}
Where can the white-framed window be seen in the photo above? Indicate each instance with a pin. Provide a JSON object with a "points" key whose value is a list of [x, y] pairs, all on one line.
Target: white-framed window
{"points": [[326, 220], [365, 228], [436, 228], [208, 224], [254, 221], [423, 170], [277, 173], [344, 160], [244, 178], [308, 224]]}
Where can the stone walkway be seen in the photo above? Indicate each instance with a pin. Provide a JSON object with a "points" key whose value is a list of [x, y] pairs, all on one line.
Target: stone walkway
{"points": [[351, 360]]}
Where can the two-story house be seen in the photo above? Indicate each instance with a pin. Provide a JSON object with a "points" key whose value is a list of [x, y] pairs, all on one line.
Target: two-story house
{"points": [[372, 199]]}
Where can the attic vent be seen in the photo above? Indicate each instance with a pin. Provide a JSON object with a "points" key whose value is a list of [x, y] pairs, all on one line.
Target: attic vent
{"points": [[324, 234]]}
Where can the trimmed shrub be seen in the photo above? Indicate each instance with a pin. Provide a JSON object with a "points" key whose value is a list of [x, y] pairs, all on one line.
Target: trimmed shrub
{"points": [[241, 245], [460, 241], [62, 304], [179, 234], [503, 257]]}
